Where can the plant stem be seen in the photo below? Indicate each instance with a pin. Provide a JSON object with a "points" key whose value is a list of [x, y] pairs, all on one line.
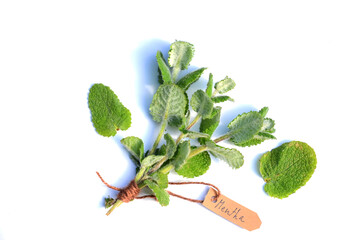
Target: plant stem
{"points": [[158, 165], [222, 138], [197, 151], [193, 122], [158, 139], [166, 169], [114, 206]]}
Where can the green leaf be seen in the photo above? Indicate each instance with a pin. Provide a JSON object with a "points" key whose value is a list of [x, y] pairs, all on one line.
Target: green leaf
{"points": [[244, 127], [268, 125], [230, 155], [263, 111], [161, 179], [209, 85], [168, 104], [194, 135], [209, 125], [161, 194], [225, 85], [182, 152], [164, 69], [180, 54], [195, 166], [287, 168], [135, 147], [201, 103], [170, 145], [108, 113], [257, 139], [190, 78], [220, 99], [150, 160], [108, 202]]}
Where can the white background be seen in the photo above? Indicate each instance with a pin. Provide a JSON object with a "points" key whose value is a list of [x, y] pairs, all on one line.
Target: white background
{"points": [[302, 59]]}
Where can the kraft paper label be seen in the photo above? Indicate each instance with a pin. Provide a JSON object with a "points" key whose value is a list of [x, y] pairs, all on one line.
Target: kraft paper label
{"points": [[232, 211]]}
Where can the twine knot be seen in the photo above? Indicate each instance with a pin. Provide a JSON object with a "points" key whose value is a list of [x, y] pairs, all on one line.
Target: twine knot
{"points": [[129, 193]]}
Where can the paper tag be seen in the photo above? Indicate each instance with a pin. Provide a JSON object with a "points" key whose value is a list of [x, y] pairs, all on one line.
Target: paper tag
{"points": [[232, 211]]}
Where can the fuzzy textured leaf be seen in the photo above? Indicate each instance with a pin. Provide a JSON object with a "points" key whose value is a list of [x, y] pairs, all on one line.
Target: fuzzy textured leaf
{"points": [[150, 160], [168, 104], [244, 127], [195, 166], [230, 155], [225, 85], [220, 99], [135, 147], [190, 78], [161, 179], [164, 69], [201, 103], [257, 139], [108, 113], [263, 111], [210, 83], [170, 145], [194, 135], [209, 125], [161, 194], [183, 150], [287, 168], [180, 54]]}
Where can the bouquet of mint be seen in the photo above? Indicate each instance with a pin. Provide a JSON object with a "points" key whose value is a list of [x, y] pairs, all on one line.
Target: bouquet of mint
{"points": [[171, 107]]}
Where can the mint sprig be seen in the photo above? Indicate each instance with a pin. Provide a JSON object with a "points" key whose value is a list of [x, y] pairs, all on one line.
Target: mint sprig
{"points": [[171, 107]]}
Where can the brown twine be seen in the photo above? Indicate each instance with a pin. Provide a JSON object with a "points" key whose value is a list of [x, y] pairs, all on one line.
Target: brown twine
{"points": [[132, 190]]}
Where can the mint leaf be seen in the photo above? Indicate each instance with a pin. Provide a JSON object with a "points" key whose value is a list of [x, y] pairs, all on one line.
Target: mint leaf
{"points": [[225, 85], [209, 125], [150, 160], [135, 147], [287, 168], [230, 155], [164, 69], [170, 145], [190, 78], [168, 104], [201, 103], [161, 179], [195, 166], [220, 99], [108, 113], [108, 202], [182, 152], [257, 139], [263, 111], [244, 127], [194, 135], [209, 85], [161, 194], [180, 54], [268, 125]]}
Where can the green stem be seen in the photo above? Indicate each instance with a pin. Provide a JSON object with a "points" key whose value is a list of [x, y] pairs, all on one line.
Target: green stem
{"points": [[114, 206], [182, 135], [193, 122], [222, 138], [158, 139], [158, 165], [197, 151], [214, 93], [166, 169]]}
